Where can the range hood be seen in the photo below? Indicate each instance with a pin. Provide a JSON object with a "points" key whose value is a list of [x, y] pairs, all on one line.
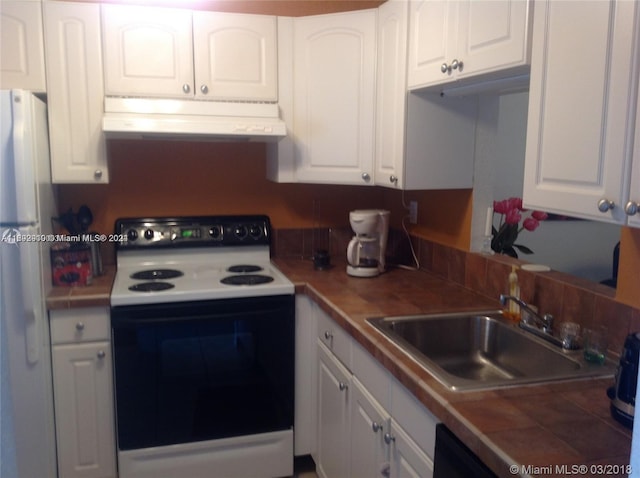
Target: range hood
{"points": [[147, 118]]}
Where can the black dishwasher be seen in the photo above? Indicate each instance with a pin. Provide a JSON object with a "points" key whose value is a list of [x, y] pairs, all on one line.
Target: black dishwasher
{"points": [[454, 460]]}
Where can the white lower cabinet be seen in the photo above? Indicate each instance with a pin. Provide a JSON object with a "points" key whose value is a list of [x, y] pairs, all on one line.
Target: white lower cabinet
{"points": [[368, 425], [83, 393], [407, 459], [334, 381]]}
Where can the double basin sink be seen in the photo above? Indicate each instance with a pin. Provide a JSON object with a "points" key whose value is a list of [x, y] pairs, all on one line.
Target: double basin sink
{"points": [[483, 350]]}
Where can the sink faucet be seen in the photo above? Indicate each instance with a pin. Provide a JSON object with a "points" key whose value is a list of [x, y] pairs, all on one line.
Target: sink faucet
{"points": [[545, 322]]}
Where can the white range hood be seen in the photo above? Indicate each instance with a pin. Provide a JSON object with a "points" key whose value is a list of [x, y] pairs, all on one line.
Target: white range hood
{"points": [[147, 118]]}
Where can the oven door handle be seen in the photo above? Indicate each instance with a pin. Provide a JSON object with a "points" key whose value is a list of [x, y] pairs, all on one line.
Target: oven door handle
{"points": [[124, 320]]}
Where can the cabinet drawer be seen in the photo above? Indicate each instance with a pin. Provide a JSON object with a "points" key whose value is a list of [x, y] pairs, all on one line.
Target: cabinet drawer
{"points": [[335, 338], [79, 325]]}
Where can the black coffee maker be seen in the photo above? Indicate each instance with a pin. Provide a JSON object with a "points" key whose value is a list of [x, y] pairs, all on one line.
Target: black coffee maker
{"points": [[623, 393]]}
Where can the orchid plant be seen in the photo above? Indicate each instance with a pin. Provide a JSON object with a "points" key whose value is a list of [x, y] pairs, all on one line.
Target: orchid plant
{"points": [[505, 236]]}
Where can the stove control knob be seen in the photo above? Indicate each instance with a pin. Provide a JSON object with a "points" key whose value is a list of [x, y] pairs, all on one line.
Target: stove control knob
{"points": [[148, 234], [240, 231], [255, 231], [215, 232], [132, 234]]}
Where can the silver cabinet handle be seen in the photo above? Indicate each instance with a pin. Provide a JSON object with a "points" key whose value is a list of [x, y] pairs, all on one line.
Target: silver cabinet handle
{"points": [[80, 326], [204, 89], [605, 205], [186, 88], [97, 174], [342, 386], [393, 179], [328, 335], [101, 354], [444, 68], [366, 177], [388, 438], [631, 208], [456, 65], [376, 427]]}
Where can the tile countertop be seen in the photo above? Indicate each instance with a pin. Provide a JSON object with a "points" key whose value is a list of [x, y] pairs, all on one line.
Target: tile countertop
{"points": [[95, 295], [530, 427]]}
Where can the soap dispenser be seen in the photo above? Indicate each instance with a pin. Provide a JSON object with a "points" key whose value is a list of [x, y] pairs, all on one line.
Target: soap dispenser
{"points": [[512, 311]]}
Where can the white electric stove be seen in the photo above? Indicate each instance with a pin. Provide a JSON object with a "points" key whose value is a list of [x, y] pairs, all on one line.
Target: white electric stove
{"points": [[203, 334]]}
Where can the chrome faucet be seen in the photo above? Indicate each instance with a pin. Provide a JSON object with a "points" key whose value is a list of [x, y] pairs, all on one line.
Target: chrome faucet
{"points": [[545, 322]]}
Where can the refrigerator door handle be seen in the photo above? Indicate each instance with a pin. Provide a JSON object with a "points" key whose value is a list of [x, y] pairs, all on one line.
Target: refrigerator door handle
{"points": [[25, 177], [29, 301]]}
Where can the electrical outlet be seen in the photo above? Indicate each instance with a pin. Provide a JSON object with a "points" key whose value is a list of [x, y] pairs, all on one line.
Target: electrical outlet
{"points": [[413, 212]]}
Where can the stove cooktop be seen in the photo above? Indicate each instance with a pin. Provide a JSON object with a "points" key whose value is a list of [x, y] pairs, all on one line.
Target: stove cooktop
{"points": [[173, 265]]}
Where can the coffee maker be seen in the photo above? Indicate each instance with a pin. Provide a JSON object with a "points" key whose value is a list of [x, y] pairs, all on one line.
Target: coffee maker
{"points": [[365, 252]]}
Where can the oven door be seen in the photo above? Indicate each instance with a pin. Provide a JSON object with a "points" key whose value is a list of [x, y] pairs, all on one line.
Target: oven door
{"points": [[194, 371]]}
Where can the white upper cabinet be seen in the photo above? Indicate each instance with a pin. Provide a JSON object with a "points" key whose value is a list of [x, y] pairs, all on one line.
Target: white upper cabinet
{"points": [[235, 56], [422, 141], [174, 53], [75, 93], [391, 87], [21, 45], [582, 104], [334, 97], [453, 40], [147, 51], [632, 206]]}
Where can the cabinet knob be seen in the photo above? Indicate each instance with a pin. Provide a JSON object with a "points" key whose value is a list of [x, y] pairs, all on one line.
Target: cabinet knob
{"points": [[186, 88], [204, 89], [393, 179], [376, 427], [97, 174], [444, 68], [342, 386], [388, 438], [456, 65], [328, 335], [80, 326], [605, 205], [631, 208], [366, 177], [101, 354]]}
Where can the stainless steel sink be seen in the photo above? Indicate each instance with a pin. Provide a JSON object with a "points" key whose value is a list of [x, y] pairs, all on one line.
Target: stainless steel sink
{"points": [[482, 350]]}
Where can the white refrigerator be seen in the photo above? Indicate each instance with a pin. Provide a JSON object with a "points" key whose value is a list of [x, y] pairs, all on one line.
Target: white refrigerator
{"points": [[27, 203]]}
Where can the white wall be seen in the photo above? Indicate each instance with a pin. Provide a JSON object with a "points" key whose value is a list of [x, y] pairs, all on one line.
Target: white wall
{"points": [[581, 248]]}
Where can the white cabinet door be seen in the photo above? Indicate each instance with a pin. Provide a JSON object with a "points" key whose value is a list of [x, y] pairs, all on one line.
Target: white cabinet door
{"points": [[235, 56], [369, 423], [407, 459], [147, 51], [451, 40], [391, 93], [579, 110], [632, 206], [75, 92], [334, 97], [84, 410], [334, 381], [21, 45], [432, 41], [492, 35]]}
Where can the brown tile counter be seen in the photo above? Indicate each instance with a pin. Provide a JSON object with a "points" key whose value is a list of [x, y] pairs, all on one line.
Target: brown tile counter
{"points": [[533, 428], [95, 295]]}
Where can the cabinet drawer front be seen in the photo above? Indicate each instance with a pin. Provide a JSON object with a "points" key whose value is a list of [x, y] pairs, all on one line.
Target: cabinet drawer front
{"points": [[79, 325], [335, 338]]}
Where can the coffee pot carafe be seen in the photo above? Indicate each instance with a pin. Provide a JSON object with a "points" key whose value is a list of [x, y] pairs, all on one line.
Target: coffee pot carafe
{"points": [[366, 251]]}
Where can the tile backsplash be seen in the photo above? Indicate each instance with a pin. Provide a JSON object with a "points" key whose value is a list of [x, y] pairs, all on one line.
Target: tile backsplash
{"points": [[567, 297]]}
